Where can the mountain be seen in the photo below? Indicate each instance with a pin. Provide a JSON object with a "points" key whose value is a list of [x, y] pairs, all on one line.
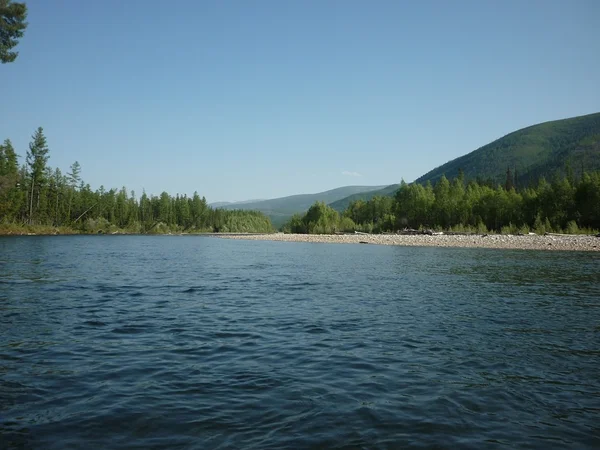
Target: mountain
{"points": [[232, 205], [534, 151], [281, 209], [342, 204]]}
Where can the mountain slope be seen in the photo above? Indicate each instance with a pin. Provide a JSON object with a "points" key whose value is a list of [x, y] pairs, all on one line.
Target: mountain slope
{"points": [[281, 209], [534, 151], [341, 205]]}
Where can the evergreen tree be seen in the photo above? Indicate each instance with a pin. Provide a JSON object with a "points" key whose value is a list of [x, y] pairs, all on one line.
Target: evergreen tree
{"points": [[37, 157], [10, 194], [12, 27]]}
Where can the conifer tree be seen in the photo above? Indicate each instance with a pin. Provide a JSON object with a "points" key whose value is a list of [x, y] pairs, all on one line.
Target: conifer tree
{"points": [[12, 26], [37, 157]]}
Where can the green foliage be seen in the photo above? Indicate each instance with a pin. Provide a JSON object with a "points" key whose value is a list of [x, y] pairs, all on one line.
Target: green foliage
{"points": [[280, 210], [11, 198], [319, 219], [448, 205], [347, 224], [572, 227], [12, 26], [38, 195], [518, 159], [342, 204], [37, 158], [563, 146]]}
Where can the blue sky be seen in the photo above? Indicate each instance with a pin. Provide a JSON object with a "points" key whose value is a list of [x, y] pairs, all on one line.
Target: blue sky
{"points": [[261, 99]]}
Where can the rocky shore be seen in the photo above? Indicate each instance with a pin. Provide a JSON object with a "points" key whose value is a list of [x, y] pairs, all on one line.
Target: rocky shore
{"points": [[527, 242]]}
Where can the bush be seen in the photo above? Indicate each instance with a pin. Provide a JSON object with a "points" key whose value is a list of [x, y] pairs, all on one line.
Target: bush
{"points": [[572, 228], [96, 226], [347, 224], [481, 228]]}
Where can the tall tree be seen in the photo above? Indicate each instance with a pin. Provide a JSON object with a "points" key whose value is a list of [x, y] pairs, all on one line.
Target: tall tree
{"points": [[10, 195], [12, 26], [74, 178], [37, 157], [8, 159]]}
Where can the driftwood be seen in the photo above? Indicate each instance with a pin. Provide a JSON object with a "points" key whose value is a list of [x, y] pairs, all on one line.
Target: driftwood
{"points": [[413, 232]]}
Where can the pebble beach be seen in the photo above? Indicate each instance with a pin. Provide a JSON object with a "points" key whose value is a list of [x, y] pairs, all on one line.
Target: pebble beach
{"points": [[526, 242]]}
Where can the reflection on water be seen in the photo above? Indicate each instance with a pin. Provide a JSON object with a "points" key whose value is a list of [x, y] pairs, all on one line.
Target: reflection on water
{"points": [[194, 342]]}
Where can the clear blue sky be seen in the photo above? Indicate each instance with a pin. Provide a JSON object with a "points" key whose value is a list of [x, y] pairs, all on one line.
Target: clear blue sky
{"points": [[241, 100]]}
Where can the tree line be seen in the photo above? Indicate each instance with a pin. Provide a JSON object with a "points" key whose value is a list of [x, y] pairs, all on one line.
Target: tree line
{"points": [[563, 204], [37, 195]]}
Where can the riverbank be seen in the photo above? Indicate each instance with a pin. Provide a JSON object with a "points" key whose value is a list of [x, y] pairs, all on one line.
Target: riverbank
{"points": [[527, 242], [42, 230]]}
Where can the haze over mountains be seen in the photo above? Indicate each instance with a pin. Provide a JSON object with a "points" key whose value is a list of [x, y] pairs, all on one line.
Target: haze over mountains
{"points": [[534, 151], [281, 209]]}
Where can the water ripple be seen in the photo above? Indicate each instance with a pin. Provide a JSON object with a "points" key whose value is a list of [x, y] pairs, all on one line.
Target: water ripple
{"points": [[190, 342]]}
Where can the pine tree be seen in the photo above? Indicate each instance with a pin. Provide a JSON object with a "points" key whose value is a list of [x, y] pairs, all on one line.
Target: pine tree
{"points": [[12, 26], [37, 157], [74, 178], [10, 195]]}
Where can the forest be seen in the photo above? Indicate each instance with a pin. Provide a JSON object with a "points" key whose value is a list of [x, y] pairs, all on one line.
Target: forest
{"points": [[35, 197], [38, 198], [565, 204]]}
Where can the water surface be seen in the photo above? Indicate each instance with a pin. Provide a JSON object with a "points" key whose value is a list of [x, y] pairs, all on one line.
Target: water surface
{"points": [[196, 342]]}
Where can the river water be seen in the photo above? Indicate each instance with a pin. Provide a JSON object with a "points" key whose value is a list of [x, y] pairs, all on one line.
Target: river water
{"points": [[185, 342]]}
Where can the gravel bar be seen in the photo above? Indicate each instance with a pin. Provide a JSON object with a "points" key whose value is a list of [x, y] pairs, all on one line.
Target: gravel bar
{"points": [[527, 242]]}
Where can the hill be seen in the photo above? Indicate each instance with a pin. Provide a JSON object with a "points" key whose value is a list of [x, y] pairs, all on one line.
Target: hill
{"points": [[534, 151], [341, 205], [281, 209]]}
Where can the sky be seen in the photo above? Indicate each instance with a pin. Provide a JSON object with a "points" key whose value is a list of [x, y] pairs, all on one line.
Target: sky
{"points": [[246, 100]]}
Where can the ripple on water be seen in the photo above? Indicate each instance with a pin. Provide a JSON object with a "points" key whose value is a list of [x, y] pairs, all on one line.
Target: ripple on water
{"points": [[272, 345]]}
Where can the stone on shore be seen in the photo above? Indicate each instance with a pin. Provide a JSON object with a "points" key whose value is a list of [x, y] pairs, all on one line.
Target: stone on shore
{"points": [[522, 242]]}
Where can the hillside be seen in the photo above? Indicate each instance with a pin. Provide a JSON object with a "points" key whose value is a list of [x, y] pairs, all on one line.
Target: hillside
{"points": [[537, 150], [281, 209], [534, 151], [342, 204]]}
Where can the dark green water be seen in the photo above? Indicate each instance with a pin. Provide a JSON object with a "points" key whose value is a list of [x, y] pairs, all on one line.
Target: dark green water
{"points": [[197, 342]]}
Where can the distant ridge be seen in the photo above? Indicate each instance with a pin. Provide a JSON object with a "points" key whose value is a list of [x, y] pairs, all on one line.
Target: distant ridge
{"points": [[341, 205], [230, 204], [281, 209]]}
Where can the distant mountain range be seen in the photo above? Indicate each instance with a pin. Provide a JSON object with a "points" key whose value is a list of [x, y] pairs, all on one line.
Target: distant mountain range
{"points": [[281, 209], [531, 152], [230, 204], [342, 204]]}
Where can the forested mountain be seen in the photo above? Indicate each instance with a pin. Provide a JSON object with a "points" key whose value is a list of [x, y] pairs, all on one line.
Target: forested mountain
{"points": [[281, 209], [531, 152], [341, 205], [535, 151], [34, 194], [565, 204]]}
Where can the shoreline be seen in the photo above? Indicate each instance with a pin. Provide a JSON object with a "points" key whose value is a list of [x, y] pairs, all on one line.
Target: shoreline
{"points": [[554, 242], [585, 243]]}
